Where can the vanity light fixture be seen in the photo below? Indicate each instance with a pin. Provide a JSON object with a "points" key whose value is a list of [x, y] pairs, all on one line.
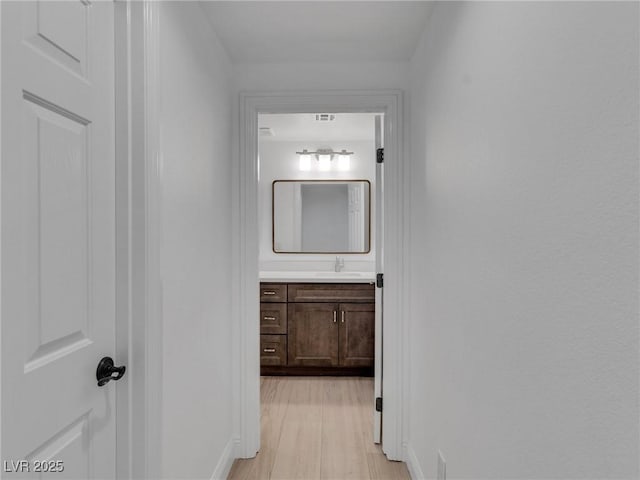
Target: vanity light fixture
{"points": [[324, 156], [344, 162], [324, 162], [305, 160]]}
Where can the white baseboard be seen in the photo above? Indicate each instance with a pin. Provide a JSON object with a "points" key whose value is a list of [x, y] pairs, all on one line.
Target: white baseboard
{"points": [[225, 462], [415, 470]]}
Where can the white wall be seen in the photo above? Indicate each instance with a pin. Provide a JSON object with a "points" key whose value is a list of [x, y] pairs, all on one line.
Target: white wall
{"points": [[320, 76], [196, 218], [278, 161], [524, 323]]}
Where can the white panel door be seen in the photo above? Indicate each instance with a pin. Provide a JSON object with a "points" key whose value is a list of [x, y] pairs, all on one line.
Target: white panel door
{"points": [[58, 230], [377, 383]]}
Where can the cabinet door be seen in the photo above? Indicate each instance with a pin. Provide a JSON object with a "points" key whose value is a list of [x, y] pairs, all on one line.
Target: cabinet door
{"points": [[313, 334], [357, 332]]}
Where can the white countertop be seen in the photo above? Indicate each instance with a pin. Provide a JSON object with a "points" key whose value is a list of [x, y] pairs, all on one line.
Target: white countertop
{"points": [[317, 277]]}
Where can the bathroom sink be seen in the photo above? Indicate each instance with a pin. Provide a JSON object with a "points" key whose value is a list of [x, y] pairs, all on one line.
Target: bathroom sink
{"points": [[339, 274], [322, 277]]}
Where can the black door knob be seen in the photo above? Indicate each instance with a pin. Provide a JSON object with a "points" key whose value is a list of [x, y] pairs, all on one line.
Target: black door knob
{"points": [[106, 370]]}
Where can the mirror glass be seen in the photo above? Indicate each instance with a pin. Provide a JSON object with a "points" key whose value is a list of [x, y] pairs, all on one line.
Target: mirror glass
{"points": [[321, 216]]}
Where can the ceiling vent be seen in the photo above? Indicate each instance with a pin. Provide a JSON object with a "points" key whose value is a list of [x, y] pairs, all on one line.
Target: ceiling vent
{"points": [[266, 132], [325, 117]]}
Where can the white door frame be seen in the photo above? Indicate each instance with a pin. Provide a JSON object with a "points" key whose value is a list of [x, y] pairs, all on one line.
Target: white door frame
{"points": [[138, 227], [379, 233], [123, 238], [246, 366]]}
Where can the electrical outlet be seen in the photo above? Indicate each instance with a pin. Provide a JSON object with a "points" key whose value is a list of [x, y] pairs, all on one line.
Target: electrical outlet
{"points": [[442, 467]]}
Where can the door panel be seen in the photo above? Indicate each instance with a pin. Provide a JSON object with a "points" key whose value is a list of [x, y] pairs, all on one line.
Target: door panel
{"points": [[60, 31], [55, 150], [313, 334], [58, 232], [68, 447], [357, 324]]}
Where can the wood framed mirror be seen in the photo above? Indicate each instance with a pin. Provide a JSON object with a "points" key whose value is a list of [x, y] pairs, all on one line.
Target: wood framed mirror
{"points": [[321, 216]]}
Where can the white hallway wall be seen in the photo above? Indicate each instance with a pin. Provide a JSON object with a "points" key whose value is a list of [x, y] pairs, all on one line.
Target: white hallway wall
{"points": [[524, 327], [294, 76], [196, 241]]}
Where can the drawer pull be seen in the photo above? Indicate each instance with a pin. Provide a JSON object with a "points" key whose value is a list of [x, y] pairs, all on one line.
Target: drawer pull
{"points": [[268, 292], [335, 316], [342, 316], [268, 318], [269, 350]]}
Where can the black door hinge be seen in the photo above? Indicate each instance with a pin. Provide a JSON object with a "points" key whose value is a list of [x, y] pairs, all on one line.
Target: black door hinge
{"points": [[380, 155], [379, 280], [378, 404]]}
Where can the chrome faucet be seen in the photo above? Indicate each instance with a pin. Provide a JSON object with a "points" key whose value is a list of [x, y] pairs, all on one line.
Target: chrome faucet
{"points": [[339, 264]]}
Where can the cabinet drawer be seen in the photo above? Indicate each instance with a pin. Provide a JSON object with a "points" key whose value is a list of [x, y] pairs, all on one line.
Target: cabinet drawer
{"points": [[331, 292], [273, 350], [273, 318], [273, 292]]}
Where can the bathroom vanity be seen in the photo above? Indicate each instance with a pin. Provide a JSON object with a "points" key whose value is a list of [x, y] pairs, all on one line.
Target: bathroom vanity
{"points": [[317, 327], [318, 322]]}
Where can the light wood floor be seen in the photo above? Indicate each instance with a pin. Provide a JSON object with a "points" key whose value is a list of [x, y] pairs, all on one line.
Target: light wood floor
{"points": [[317, 428]]}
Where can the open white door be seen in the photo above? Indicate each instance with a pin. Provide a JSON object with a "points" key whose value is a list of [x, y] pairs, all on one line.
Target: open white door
{"points": [[58, 232], [377, 415]]}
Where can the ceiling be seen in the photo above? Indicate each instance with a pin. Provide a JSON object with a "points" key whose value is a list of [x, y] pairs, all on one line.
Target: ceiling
{"points": [[305, 127], [318, 31]]}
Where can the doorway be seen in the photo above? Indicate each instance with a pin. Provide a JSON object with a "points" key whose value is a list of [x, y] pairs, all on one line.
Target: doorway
{"points": [[320, 187], [247, 230]]}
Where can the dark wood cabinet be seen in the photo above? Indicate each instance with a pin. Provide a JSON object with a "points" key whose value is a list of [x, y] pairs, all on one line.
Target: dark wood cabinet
{"points": [[357, 334], [331, 292], [313, 335], [273, 292], [325, 328], [273, 350], [273, 318]]}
